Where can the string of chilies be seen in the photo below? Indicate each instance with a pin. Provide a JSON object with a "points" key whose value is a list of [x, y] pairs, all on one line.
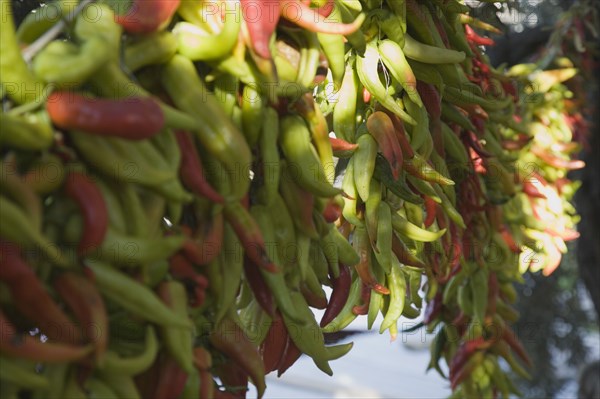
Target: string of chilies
{"points": [[167, 191]]}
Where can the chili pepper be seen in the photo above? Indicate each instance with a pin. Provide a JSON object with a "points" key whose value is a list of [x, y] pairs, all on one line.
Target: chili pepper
{"points": [[555, 161], [233, 261], [132, 365], [364, 164], [28, 347], [290, 355], [262, 27], [429, 54], [153, 49], [363, 268], [294, 139], [29, 294], [344, 315], [208, 235], [339, 295], [31, 132], [397, 291], [344, 113], [16, 227], [342, 148], [334, 50], [122, 385], [17, 189], [272, 349], [89, 198], [45, 175], [14, 372], [309, 19], [512, 340], [365, 296], [477, 40], [17, 80], [383, 173], [146, 16], [229, 338], [250, 236], [371, 213], [366, 69], [193, 41], [404, 227], [123, 249], [64, 63], [259, 287], [270, 154], [308, 338], [135, 118], [178, 341], [300, 202], [311, 112], [394, 59], [214, 129], [191, 169], [380, 126], [86, 303], [133, 296], [418, 167]]}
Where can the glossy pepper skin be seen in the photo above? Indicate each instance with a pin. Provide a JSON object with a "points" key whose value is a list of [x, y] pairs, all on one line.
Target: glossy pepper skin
{"points": [[147, 16], [134, 118]]}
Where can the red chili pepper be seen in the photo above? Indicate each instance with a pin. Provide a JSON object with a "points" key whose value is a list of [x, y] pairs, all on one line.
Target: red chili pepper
{"points": [[366, 95], [310, 19], [313, 300], [133, 118], [207, 239], [27, 347], [290, 355], [511, 339], [403, 140], [475, 39], [273, 347], [431, 99], [229, 338], [30, 296], [365, 295], [339, 295], [363, 268], [191, 169], [88, 196], [182, 269], [171, 378], [147, 16], [341, 145], [259, 287], [430, 210], [332, 211], [556, 162], [84, 299], [381, 127], [403, 253], [464, 352], [262, 25]]}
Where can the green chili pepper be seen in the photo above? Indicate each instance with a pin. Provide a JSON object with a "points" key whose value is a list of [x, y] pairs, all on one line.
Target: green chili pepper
{"points": [[346, 316], [22, 374], [253, 114], [364, 164], [344, 113], [152, 49], [406, 228], [294, 138], [397, 286], [122, 385], [16, 80], [134, 297], [178, 341], [31, 132], [128, 250], [17, 227], [197, 44]]}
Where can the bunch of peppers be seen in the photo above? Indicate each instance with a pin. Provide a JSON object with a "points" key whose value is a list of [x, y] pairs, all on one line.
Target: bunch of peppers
{"points": [[180, 180]]}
